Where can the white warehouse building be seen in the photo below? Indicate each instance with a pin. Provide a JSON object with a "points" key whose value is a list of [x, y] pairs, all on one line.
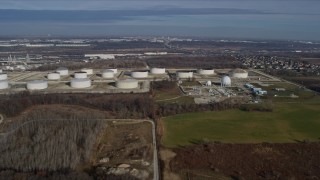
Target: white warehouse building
{"points": [[127, 84], [37, 85]]}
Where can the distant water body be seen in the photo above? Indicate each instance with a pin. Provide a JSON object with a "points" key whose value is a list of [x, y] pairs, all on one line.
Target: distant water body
{"points": [[205, 22]]}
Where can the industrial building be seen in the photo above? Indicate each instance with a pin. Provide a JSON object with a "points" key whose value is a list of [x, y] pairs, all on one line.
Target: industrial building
{"points": [[248, 85]]}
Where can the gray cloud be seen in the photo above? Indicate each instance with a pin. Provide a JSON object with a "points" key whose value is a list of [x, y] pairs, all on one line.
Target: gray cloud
{"points": [[113, 15]]}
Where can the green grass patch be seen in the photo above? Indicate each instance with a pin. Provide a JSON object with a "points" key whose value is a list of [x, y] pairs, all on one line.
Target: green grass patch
{"points": [[289, 122]]}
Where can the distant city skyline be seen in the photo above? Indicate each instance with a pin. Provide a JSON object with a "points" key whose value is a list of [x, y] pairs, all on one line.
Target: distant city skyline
{"points": [[243, 19]]}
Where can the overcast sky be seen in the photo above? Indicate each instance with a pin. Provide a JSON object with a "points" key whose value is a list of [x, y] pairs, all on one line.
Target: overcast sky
{"points": [[289, 6], [271, 19]]}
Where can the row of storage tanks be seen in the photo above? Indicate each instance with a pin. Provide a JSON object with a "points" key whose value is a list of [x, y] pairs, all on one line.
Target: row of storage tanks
{"points": [[82, 83], [80, 79], [189, 74], [235, 73]]}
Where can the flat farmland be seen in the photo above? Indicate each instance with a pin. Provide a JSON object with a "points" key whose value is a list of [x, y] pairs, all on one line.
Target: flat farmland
{"points": [[289, 122]]}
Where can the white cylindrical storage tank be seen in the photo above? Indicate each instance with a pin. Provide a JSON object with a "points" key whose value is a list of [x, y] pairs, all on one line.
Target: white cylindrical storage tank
{"points": [[37, 85], [4, 84], [107, 73], [139, 74], [225, 81], [80, 75], [238, 73], [80, 83], [88, 71], [3, 76], [63, 71], [53, 76], [205, 71], [208, 83], [158, 70], [185, 74], [127, 84], [115, 71]]}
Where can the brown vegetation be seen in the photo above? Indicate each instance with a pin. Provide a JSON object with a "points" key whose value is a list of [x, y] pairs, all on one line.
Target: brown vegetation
{"points": [[262, 107], [45, 142], [195, 62], [118, 105], [97, 64], [251, 161]]}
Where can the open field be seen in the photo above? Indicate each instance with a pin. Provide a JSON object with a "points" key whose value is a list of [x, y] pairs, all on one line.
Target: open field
{"points": [[173, 95], [289, 122]]}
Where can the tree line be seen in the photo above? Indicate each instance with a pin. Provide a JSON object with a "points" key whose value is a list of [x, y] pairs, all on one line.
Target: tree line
{"points": [[45, 142], [96, 64], [214, 62], [119, 105]]}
